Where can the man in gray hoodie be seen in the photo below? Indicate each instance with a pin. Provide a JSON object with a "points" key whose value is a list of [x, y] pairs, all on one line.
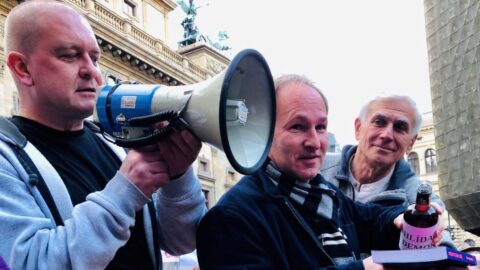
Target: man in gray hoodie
{"points": [[374, 170], [69, 199]]}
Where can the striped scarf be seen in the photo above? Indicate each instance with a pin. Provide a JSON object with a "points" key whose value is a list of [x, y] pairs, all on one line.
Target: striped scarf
{"points": [[318, 204]]}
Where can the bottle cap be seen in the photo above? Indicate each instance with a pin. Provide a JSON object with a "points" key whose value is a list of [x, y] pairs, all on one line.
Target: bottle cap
{"points": [[425, 188]]}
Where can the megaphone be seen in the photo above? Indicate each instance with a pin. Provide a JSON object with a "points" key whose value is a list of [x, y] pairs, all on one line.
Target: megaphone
{"points": [[233, 111]]}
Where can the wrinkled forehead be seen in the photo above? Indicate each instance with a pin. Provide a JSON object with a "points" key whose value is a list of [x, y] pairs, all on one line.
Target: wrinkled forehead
{"points": [[393, 109]]}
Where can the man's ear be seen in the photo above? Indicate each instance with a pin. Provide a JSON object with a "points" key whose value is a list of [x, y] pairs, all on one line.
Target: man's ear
{"points": [[18, 66], [358, 125], [410, 146]]}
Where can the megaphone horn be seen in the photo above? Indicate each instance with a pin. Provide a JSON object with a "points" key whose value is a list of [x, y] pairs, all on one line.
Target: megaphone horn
{"points": [[233, 111]]}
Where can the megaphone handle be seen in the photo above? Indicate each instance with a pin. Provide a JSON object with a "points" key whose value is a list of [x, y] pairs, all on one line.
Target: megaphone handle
{"points": [[176, 123], [140, 142], [152, 118]]}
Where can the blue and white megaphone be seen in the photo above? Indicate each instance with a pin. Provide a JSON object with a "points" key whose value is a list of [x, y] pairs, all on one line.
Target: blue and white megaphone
{"points": [[233, 111]]}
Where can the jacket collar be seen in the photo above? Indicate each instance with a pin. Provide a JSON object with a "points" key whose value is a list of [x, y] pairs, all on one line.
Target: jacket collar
{"points": [[401, 172], [347, 153]]}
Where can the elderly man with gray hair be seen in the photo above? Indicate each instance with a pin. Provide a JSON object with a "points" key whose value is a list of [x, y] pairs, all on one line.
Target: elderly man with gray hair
{"points": [[374, 170]]}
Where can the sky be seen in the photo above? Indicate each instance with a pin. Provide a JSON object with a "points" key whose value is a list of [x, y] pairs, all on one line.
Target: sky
{"points": [[353, 50]]}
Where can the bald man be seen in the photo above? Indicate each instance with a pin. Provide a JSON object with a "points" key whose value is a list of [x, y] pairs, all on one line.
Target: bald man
{"points": [[67, 199]]}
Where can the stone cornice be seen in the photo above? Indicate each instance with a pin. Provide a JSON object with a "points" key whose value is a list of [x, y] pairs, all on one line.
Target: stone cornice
{"points": [[171, 4]]}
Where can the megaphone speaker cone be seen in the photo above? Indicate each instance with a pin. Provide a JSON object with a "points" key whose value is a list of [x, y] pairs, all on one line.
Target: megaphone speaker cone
{"points": [[235, 111], [249, 137]]}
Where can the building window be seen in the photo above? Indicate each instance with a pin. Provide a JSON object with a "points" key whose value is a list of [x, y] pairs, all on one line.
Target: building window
{"points": [[205, 193], [430, 160], [414, 163], [230, 176], [129, 8], [204, 166]]}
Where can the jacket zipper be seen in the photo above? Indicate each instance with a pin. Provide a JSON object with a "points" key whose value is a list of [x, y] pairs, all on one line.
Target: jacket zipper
{"points": [[303, 226]]}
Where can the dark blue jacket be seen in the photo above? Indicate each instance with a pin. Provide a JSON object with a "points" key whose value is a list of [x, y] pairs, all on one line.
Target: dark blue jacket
{"points": [[253, 226]]}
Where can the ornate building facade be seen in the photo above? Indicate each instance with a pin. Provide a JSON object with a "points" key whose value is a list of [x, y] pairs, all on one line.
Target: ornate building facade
{"points": [[133, 36]]}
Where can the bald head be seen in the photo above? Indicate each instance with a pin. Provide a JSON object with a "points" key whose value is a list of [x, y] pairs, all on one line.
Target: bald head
{"points": [[24, 24]]}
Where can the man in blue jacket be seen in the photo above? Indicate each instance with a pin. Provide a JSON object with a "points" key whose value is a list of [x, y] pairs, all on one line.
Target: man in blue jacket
{"points": [[374, 170], [287, 216], [68, 199]]}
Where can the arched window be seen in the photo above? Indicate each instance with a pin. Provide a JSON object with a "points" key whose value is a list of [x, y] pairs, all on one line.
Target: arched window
{"points": [[430, 160], [414, 163]]}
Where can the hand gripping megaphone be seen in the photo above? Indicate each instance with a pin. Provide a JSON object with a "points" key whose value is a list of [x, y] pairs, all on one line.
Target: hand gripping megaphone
{"points": [[233, 111]]}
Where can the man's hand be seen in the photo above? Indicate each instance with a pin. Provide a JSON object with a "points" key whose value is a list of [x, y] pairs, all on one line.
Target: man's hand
{"points": [[146, 169], [368, 264], [152, 166], [179, 151], [398, 222]]}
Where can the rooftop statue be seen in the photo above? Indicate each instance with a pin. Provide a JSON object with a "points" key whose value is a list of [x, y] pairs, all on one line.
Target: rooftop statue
{"points": [[221, 43], [191, 33]]}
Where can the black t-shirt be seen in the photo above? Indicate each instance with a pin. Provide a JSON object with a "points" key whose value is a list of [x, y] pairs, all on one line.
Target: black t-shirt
{"points": [[85, 164]]}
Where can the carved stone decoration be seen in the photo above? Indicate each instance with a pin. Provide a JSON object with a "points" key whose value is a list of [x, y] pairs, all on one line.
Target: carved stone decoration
{"points": [[107, 47], [151, 71], [159, 75], [126, 57], [214, 65], [134, 62], [143, 66], [117, 52]]}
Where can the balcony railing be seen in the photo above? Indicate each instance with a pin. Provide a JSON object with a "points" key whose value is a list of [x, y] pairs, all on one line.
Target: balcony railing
{"points": [[123, 25], [80, 3], [106, 16]]}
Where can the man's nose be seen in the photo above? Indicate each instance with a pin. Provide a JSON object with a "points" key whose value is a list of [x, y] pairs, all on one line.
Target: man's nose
{"points": [[313, 139], [387, 133], [88, 69]]}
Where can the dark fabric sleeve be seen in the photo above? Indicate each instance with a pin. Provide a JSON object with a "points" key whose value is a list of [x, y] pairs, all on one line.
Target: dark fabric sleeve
{"points": [[226, 240], [374, 224]]}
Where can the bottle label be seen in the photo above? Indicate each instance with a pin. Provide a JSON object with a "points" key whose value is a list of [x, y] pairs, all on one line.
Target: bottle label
{"points": [[416, 238]]}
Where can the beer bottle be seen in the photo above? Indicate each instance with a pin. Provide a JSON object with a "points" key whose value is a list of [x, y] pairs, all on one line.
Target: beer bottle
{"points": [[420, 221]]}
